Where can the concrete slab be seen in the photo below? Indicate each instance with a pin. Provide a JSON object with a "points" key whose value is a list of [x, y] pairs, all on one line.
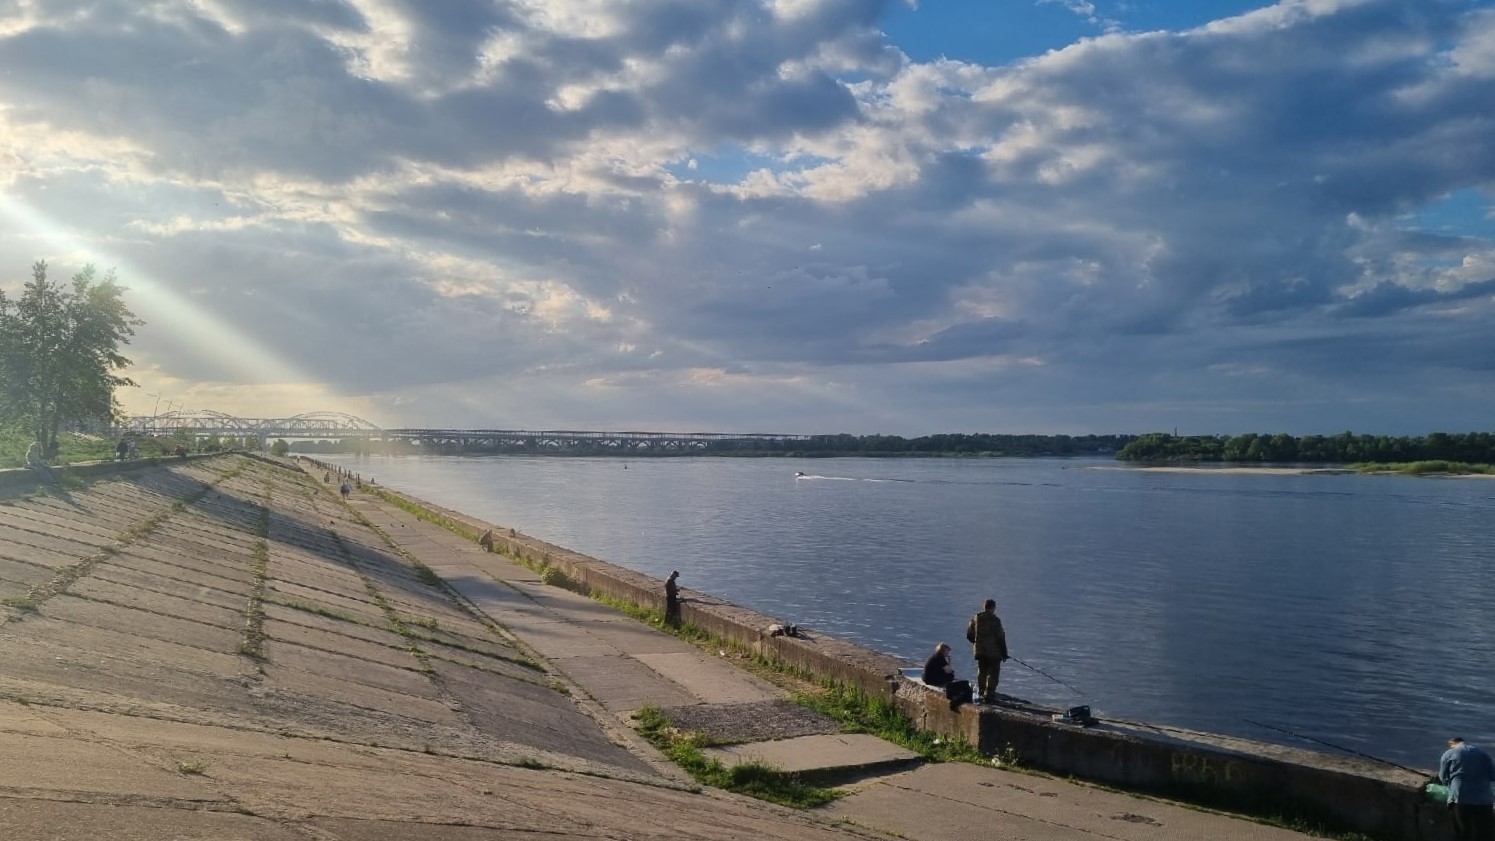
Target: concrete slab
{"points": [[362, 609], [709, 679], [215, 596], [818, 753], [40, 557], [127, 648], [939, 802], [759, 722], [623, 684], [152, 602], [68, 765], [394, 652], [403, 679], [51, 820], [22, 718], [22, 572], [110, 617], [532, 714], [359, 695], [381, 635]]}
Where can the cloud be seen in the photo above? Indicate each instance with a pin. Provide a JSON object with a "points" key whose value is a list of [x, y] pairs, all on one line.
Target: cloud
{"points": [[603, 203]]}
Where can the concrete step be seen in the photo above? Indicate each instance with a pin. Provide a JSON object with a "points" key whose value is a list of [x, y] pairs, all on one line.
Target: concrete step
{"points": [[830, 759]]}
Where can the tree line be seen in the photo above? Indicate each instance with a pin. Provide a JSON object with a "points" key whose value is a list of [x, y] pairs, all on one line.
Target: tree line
{"points": [[814, 446], [1344, 448], [60, 353]]}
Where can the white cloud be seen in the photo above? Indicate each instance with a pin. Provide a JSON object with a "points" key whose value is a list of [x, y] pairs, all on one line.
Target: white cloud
{"points": [[427, 200]]}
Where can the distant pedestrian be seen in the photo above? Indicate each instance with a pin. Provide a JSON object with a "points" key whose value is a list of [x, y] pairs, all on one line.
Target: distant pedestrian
{"points": [[121, 450], [1469, 774], [985, 633], [486, 541], [672, 600], [345, 489], [38, 464], [327, 477]]}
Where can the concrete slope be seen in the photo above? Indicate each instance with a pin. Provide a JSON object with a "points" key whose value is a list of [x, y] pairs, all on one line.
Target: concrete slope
{"points": [[221, 649]]}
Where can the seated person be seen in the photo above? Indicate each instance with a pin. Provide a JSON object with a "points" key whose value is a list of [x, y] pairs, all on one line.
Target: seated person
{"points": [[939, 672], [937, 669]]}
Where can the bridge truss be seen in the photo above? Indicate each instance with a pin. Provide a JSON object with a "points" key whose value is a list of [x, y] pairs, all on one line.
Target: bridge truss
{"points": [[338, 426]]}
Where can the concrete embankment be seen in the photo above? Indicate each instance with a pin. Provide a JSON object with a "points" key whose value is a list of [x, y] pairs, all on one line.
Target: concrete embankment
{"points": [[1343, 791], [222, 649]]}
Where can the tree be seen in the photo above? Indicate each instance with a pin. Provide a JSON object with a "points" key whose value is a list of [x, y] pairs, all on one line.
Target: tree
{"points": [[280, 447], [59, 352]]}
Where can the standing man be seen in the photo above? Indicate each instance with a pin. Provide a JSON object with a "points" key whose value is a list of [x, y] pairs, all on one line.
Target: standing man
{"points": [[672, 600], [985, 633], [1468, 772]]}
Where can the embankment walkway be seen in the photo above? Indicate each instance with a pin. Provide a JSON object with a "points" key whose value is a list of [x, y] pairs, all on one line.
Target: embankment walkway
{"points": [[222, 649]]}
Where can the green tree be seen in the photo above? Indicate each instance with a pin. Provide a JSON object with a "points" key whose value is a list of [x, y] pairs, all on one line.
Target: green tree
{"points": [[59, 352], [280, 447]]}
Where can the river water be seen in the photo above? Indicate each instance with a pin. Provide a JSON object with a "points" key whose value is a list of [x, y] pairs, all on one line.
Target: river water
{"points": [[1351, 609]]}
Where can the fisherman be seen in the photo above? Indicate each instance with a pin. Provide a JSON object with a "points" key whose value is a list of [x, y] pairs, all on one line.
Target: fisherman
{"points": [[672, 600], [985, 633], [1469, 773]]}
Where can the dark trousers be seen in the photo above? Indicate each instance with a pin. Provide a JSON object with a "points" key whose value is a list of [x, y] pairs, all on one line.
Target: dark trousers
{"points": [[1472, 823], [672, 612], [988, 673]]}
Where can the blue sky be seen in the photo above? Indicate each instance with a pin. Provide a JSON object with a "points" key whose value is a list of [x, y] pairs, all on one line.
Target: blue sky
{"points": [[783, 215]]}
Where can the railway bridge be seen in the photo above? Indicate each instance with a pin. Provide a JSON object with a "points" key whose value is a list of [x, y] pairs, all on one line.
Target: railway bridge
{"points": [[339, 426]]}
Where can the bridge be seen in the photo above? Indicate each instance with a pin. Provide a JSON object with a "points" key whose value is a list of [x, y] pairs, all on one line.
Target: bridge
{"points": [[339, 426]]}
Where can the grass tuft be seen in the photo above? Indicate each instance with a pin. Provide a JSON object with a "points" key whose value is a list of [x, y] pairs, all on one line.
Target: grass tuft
{"points": [[754, 779]]}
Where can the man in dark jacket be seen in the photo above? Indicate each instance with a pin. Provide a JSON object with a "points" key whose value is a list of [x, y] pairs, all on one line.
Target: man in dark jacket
{"points": [[1469, 773], [672, 600], [984, 631]]}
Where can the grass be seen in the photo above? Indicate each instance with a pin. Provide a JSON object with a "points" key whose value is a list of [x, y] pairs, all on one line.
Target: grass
{"points": [[194, 767], [1423, 468], [861, 713], [422, 513], [754, 779], [253, 644], [307, 607], [26, 604]]}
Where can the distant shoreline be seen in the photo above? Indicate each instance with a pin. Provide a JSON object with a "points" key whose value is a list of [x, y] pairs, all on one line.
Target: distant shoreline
{"points": [[1281, 471]]}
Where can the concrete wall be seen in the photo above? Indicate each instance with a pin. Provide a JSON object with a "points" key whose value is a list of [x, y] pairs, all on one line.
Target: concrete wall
{"points": [[1270, 779]]}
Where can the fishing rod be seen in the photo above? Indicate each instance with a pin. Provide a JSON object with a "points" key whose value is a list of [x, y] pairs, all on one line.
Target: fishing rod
{"points": [[1423, 773], [1068, 686]]}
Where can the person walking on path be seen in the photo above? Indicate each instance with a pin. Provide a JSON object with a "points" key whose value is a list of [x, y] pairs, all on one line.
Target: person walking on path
{"points": [[345, 489], [985, 633], [672, 600], [1469, 773]]}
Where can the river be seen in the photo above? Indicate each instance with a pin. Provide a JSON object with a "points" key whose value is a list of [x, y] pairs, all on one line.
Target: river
{"points": [[1352, 609]]}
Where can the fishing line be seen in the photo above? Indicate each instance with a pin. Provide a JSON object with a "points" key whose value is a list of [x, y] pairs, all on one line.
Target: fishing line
{"points": [[1422, 773], [1068, 686]]}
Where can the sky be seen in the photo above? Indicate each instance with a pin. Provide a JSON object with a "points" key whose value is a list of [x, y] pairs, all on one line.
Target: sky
{"points": [[799, 216]]}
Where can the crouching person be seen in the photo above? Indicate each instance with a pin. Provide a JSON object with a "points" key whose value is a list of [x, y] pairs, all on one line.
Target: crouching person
{"points": [[938, 671]]}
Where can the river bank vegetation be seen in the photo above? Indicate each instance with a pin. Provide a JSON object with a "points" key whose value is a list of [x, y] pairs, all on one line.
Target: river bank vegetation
{"points": [[1473, 448], [954, 445]]}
